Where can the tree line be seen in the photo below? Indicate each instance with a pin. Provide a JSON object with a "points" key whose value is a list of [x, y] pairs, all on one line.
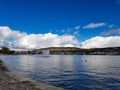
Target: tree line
{"points": [[7, 51]]}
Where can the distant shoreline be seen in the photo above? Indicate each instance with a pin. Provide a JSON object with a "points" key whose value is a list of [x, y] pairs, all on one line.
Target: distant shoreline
{"points": [[10, 80], [64, 51]]}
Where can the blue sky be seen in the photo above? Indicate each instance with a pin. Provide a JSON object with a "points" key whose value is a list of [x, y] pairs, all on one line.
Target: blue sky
{"points": [[62, 17]]}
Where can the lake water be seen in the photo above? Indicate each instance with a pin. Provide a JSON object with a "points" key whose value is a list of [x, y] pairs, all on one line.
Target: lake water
{"points": [[71, 72]]}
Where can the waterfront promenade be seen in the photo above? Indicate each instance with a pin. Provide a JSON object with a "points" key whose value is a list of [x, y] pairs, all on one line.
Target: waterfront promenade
{"points": [[10, 80]]}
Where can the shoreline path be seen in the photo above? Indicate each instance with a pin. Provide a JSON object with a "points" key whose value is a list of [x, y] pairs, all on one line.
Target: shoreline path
{"points": [[10, 80]]}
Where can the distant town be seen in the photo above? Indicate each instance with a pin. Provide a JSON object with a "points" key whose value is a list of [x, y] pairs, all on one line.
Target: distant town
{"points": [[62, 51]]}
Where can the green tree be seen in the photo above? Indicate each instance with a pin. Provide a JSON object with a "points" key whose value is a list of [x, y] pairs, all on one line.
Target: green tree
{"points": [[5, 50]]}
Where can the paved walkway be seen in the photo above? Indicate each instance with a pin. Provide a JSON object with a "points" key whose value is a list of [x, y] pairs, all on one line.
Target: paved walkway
{"points": [[12, 81]]}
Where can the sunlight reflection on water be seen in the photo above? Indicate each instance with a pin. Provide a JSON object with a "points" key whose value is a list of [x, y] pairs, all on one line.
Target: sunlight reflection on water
{"points": [[70, 71]]}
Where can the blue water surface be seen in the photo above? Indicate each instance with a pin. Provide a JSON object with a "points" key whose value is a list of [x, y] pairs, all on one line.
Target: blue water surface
{"points": [[73, 72]]}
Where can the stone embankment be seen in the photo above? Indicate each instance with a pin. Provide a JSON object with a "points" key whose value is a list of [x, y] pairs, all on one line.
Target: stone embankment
{"points": [[10, 80]]}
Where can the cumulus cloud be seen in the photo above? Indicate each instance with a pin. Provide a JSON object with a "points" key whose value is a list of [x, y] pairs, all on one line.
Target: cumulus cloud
{"points": [[6, 32], [15, 38], [113, 31], [100, 42], [46, 40], [7, 36], [94, 25]]}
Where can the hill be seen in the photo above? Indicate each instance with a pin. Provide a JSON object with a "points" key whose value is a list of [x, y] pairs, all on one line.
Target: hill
{"points": [[81, 51]]}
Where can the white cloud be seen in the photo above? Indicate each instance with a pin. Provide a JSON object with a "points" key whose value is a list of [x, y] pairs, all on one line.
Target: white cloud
{"points": [[113, 31], [6, 32], [46, 40], [20, 39], [77, 27], [100, 42], [68, 45], [7, 36], [94, 25], [63, 30], [111, 26], [76, 32]]}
